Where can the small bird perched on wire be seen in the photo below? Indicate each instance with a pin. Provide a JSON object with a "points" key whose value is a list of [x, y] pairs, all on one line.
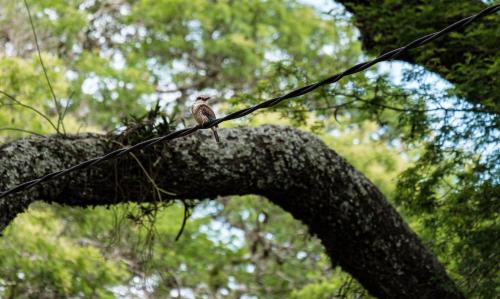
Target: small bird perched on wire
{"points": [[204, 114]]}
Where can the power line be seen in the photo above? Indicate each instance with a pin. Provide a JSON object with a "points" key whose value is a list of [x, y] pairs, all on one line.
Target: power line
{"points": [[266, 104]]}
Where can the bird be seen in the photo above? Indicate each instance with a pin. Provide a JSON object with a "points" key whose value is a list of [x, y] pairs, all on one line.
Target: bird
{"points": [[203, 114]]}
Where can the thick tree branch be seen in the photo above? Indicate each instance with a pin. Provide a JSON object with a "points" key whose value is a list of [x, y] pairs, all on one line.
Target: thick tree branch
{"points": [[360, 230]]}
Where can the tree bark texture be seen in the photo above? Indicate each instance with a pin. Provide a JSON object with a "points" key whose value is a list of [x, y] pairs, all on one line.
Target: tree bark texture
{"points": [[465, 58], [360, 230]]}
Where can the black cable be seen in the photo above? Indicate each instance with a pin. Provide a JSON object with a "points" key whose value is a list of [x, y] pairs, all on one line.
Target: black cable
{"points": [[266, 104]]}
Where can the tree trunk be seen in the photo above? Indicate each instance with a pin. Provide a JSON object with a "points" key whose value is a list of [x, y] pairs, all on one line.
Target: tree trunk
{"points": [[464, 58], [360, 230]]}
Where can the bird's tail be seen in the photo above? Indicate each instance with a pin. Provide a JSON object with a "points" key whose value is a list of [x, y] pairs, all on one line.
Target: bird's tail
{"points": [[215, 134]]}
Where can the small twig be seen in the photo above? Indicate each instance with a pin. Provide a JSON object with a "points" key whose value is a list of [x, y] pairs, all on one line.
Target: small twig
{"points": [[335, 107], [63, 115], [184, 220], [398, 109], [23, 130], [158, 189], [56, 103], [17, 102]]}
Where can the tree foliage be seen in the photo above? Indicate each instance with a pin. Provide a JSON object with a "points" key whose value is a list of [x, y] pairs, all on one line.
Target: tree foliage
{"points": [[453, 187], [112, 59]]}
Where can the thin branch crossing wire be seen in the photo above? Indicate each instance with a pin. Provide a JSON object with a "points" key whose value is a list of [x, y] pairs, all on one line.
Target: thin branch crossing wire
{"points": [[266, 104]]}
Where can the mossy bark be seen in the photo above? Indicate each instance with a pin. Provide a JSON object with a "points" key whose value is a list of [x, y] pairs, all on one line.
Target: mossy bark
{"points": [[360, 230]]}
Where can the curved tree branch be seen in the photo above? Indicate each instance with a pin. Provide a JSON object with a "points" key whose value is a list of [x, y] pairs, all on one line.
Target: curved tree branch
{"points": [[360, 230]]}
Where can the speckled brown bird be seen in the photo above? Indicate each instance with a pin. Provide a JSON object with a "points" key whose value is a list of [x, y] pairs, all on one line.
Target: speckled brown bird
{"points": [[204, 114]]}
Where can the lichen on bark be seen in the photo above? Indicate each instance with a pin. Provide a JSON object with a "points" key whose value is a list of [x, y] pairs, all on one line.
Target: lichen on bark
{"points": [[360, 230]]}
